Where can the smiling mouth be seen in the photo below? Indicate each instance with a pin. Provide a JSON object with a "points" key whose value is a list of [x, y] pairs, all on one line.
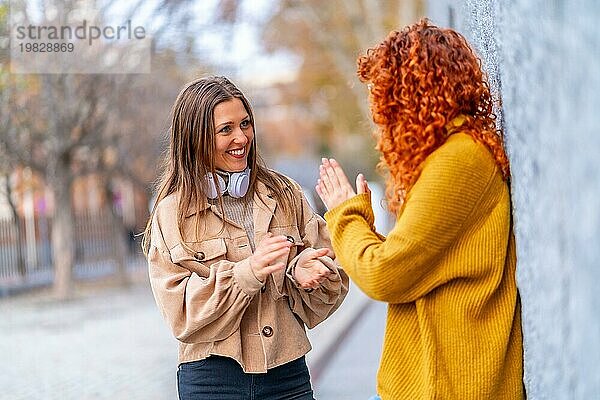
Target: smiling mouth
{"points": [[238, 153]]}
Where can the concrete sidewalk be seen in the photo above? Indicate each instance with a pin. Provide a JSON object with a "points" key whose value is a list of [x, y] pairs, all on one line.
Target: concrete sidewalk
{"points": [[110, 343], [351, 373], [327, 337], [104, 344]]}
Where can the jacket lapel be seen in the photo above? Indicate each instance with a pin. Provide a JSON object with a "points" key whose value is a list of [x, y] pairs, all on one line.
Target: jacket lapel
{"points": [[263, 210]]}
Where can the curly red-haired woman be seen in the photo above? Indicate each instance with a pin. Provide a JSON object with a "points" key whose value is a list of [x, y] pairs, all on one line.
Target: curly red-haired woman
{"points": [[447, 268]]}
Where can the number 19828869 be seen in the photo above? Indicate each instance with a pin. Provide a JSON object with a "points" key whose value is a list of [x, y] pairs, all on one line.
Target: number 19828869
{"points": [[46, 47]]}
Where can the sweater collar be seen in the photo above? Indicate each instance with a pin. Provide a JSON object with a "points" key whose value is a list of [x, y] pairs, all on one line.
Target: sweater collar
{"points": [[455, 123]]}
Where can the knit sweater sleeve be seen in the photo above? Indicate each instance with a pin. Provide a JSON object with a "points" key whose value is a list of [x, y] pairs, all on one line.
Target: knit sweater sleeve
{"points": [[404, 266]]}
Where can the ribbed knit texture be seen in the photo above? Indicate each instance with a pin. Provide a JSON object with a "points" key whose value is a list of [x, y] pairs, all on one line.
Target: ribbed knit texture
{"points": [[239, 211], [447, 270]]}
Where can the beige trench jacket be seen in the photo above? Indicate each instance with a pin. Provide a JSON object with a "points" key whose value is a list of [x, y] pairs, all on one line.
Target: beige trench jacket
{"points": [[210, 297]]}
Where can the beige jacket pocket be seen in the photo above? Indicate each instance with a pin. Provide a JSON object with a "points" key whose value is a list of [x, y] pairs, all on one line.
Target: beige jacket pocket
{"points": [[200, 255]]}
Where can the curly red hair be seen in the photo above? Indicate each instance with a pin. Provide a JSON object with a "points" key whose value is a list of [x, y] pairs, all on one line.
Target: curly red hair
{"points": [[420, 79]]}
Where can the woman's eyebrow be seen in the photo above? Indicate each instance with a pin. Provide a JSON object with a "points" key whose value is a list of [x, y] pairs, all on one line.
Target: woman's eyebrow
{"points": [[224, 123], [247, 117]]}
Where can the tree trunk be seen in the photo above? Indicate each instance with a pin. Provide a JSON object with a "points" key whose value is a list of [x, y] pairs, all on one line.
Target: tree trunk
{"points": [[119, 236], [119, 248], [63, 232], [20, 237]]}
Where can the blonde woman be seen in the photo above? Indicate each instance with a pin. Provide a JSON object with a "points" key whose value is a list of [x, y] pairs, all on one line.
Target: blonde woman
{"points": [[239, 263]]}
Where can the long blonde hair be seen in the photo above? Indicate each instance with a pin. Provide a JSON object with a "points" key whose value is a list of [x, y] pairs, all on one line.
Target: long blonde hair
{"points": [[192, 146]]}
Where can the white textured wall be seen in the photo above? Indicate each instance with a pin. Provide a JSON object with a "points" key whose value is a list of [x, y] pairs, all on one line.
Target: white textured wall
{"points": [[543, 58]]}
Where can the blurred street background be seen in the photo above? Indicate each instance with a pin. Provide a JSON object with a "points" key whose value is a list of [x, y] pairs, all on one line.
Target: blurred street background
{"points": [[111, 343], [82, 136]]}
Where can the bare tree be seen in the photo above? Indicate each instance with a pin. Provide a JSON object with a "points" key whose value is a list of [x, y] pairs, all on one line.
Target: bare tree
{"points": [[6, 161], [64, 126]]}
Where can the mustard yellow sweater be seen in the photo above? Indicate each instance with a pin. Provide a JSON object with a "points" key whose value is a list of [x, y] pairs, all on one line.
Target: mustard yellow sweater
{"points": [[447, 270]]}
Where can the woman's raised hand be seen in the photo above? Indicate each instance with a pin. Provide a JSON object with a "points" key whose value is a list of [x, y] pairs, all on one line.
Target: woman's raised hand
{"points": [[270, 249], [333, 186]]}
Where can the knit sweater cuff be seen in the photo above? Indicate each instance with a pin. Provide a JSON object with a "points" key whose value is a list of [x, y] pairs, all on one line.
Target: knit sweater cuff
{"points": [[359, 204]]}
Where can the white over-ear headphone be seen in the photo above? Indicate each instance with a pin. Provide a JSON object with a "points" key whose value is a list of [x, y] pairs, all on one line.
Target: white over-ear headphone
{"points": [[236, 187]]}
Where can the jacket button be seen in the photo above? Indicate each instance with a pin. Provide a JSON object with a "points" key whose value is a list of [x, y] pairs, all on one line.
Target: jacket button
{"points": [[263, 288], [199, 256], [267, 331], [290, 239]]}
